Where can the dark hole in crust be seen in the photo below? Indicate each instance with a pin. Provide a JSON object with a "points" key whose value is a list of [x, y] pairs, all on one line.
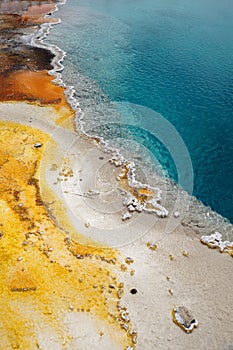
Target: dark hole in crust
{"points": [[133, 291]]}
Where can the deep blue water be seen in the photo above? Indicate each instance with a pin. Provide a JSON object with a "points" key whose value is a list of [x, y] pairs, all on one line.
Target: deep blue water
{"points": [[173, 57]]}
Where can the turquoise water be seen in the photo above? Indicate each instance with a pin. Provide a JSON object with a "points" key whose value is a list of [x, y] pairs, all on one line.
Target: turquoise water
{"points": [[129, 58]]}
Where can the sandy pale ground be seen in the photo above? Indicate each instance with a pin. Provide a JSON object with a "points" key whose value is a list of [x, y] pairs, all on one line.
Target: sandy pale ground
{"points": [[165, 269]]}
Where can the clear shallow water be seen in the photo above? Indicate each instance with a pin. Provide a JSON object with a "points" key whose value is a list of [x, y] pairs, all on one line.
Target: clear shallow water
{"points": [[170, 57]]}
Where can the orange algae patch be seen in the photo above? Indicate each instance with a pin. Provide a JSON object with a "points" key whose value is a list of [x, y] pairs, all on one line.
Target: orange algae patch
{"points": [[31, 86], [36, 87], [42, 280]]}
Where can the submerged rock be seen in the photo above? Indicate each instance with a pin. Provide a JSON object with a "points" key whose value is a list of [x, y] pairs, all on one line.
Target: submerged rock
{"points": [[184, 319]]}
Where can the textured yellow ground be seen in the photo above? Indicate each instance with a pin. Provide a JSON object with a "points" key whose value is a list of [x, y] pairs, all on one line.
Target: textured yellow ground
{"points": [[44, 275], [41, 277]]}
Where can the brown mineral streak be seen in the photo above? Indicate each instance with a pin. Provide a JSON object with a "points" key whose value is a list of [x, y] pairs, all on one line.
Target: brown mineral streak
{"points": [[41, 273]]}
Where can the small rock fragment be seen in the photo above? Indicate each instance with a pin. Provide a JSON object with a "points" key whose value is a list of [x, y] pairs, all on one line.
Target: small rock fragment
{"points": [[123, 267], [131, 208], [185, 253], [38, 145], [184, 319], [152, 246], [126, 216], [129, 260]]}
